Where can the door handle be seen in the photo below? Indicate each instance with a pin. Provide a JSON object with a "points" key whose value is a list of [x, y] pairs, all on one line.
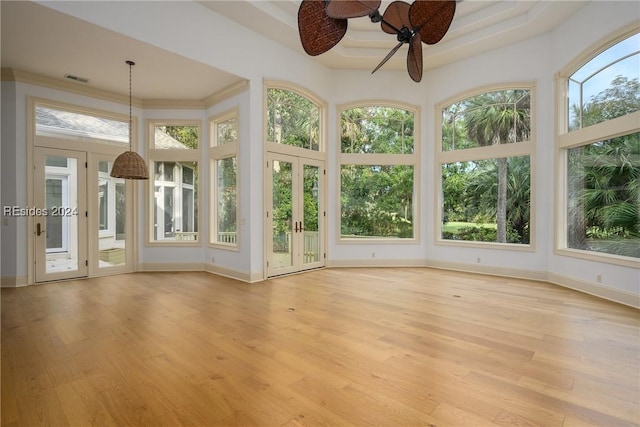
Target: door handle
{"points": [[39, 229], [296, 227], [301, 227]]}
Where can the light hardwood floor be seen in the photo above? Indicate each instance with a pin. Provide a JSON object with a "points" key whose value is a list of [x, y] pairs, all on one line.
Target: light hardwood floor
{"points": [[334, 347]]}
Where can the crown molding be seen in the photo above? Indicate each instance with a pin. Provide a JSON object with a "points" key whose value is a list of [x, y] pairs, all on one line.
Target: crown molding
{"points": [[10, 74], [172, 104], [226, 93]]}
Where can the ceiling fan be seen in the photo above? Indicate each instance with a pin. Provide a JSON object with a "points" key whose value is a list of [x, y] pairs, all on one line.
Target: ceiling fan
{"points": [[323, 23]]}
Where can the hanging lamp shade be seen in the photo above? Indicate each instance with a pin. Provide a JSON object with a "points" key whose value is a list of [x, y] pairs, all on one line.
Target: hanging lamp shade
{"points": [[130, 165]]}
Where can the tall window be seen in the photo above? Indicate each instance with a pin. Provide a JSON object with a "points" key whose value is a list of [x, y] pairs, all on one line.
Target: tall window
{"points": [[599, 152], [485, 163], [223, 157], [378, 166], [174, 193]]}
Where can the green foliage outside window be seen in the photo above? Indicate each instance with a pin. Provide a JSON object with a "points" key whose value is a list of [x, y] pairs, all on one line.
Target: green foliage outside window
{"points": [[292, 119], [604, 179], [494, 193], [377, 200]]}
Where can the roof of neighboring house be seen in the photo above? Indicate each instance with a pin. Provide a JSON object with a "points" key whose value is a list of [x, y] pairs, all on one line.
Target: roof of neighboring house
{"points": [[53, 121], [49, 120], [164, 141]]}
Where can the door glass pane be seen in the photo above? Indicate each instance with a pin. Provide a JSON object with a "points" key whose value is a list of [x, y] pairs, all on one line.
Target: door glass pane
{"points": [[121, 203], [55, 240], [167, 207], [61, 225], [282, 214], [111, 209], [56, 161], [103, 204], [311, 186]]}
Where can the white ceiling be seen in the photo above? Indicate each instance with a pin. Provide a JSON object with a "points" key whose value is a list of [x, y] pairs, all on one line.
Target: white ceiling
{"points": [[478, 26], [40, 40]]}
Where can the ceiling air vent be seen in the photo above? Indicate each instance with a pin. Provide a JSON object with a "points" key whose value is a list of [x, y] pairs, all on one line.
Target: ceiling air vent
{"points": [[76, 78]]}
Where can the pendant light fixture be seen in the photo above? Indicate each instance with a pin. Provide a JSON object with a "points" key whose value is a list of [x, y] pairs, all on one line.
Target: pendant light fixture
{"points": [[130, 165]]}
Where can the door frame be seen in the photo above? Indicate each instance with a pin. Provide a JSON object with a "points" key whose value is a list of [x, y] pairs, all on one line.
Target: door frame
{"points": [[93, 160], [300, 158], [65, 212], [93, 147]]}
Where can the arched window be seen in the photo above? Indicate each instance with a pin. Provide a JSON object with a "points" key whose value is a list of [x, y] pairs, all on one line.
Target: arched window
{"points": [[292, 119], [599, 153], [378, 167], [485, 160]]}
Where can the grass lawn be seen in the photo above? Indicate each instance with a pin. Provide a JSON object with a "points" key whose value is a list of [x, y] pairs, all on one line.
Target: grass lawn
{"points": [[454, 226]]}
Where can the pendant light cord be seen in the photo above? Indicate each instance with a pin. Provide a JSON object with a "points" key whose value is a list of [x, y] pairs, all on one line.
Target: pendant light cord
{"points": [[131, 64]]}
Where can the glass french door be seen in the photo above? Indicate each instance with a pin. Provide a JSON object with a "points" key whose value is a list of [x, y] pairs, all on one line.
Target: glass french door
{"points": [[110, 221], [60, 226], [295, 214], [83, 226]]}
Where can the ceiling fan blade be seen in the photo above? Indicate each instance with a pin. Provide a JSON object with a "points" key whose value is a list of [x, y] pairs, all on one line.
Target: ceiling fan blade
{"points": [[414, 58], [386, 58], [395, 17], [432, 18], [318, 32], [343, 9]]}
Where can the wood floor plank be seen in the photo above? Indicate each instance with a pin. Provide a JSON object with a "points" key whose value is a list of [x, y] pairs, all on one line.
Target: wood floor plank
{"points": [[333, 347]]}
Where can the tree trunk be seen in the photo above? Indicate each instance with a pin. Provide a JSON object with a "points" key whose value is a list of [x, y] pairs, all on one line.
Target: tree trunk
{"points": [[501, 211]]}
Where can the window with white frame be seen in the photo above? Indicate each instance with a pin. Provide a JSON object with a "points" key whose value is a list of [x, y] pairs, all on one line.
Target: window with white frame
{"points": [[484, 157], [599, 153], [378, 169], [173, 203], [223, 158]]}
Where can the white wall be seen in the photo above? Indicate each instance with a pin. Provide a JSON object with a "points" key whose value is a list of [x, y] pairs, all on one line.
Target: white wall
{"points": [[9, 227], [248, 256], [205, 37]]}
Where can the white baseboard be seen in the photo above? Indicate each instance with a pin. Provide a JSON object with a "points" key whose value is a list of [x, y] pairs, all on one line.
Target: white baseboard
{"points": [[490, 270], [373, 262], [171, 266], [234, 274], [13, 282], [596, 289], [211, 268]]}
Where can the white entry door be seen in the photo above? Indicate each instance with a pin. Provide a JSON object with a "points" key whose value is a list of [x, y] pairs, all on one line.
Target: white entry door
{"points": [[60, 214]]}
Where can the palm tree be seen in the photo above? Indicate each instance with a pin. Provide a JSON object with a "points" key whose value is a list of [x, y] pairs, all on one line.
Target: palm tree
{"points": [[496, 118], [606, 197]]}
